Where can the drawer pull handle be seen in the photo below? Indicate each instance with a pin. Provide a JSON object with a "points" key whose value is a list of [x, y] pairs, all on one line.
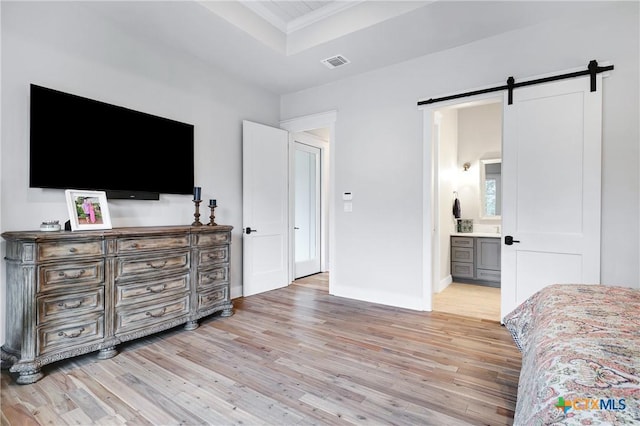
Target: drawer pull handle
{"points": [[213, 297], [216, 256], [73, 250], [73, 305], [152, 315], [76, 275], [72, 335], [157, 266], [157, 289]]}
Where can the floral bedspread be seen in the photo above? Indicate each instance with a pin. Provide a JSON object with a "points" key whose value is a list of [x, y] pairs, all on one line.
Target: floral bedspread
{"points": [[580, 349]]}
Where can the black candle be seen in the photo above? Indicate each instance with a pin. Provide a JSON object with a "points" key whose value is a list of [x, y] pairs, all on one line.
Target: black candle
{"points": [[212, 203], [197, 191]]}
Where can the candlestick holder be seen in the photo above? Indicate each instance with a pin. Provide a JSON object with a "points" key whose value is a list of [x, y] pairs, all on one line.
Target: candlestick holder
{"points": [[212, 218], [197, 213]]}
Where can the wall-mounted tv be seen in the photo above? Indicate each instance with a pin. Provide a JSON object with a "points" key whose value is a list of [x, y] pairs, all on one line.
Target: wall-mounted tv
{"points": [[81, 143]]}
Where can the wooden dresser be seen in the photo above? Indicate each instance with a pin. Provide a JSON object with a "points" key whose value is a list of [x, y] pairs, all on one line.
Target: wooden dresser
{"points": [[70, 293]]}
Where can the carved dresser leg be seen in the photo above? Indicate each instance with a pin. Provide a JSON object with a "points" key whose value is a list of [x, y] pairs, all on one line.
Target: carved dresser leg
{"points": [[191, 325], [30, 376], [107, 353]]}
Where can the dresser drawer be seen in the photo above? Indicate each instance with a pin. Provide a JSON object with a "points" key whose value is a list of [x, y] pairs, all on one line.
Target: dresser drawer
{"points": [[213, 277], [462, 241], [149, 290], [211, 298], [212, 239], [462, 270], [153, 314], [152, 265], [69, 250], [461, 254], [214, 256], [67, 335], [63, 275], [70, 306], [134, 245]]}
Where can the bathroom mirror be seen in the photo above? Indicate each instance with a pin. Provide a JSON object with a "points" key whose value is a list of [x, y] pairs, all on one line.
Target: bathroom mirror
{"points": [[491, 188]]}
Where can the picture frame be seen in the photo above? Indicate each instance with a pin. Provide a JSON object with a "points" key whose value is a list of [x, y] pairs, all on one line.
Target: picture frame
{"points": [[87, 209]]}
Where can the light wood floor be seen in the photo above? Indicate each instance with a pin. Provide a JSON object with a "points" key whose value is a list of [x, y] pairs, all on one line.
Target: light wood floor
{"points": [[293, 356], [469, 300]]}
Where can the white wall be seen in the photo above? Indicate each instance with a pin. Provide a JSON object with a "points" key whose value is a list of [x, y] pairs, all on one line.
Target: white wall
{"points": [[447, 184], [378, 144], [66, 47], [479, 137]]}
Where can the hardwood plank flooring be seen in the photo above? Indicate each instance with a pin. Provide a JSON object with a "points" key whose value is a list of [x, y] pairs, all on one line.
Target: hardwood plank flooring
{"points": [[470, 300], [292, 356]]}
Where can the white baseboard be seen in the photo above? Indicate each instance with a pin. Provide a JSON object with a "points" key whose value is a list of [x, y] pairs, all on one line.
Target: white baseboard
{"points": [[444, 283], [383, 298]]}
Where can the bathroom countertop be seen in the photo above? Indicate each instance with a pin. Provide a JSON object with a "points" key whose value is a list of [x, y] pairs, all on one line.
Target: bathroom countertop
{"points": [[476, 234]]}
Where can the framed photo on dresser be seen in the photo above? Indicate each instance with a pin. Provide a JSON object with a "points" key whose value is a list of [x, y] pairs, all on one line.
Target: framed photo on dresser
{"points": [[87, 210]]}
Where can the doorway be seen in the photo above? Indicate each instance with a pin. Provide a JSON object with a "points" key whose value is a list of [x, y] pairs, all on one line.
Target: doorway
{"points": [[318, 131], [551, 220], [467, 157], [307, 208], [269, 198]]}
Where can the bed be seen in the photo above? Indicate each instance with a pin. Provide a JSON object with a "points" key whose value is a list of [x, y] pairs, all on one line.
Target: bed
{"points": [[580, 348]]}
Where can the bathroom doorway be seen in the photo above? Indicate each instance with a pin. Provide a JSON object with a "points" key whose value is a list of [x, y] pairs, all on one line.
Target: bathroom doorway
{"points": [[467, 160]]}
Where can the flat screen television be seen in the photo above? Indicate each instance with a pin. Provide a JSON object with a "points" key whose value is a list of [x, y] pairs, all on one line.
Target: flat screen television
{"points": [[81, 143]]}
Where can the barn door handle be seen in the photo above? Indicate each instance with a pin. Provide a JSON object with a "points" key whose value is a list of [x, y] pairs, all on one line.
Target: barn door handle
{"points": [[508, 240], [249, 230]]}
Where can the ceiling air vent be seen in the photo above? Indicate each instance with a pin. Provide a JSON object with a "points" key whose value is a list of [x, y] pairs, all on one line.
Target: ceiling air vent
{"points": [[335, 61]]}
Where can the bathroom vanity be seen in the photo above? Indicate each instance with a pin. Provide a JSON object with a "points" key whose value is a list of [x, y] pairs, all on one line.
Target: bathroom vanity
{"points": [[475, 258]]}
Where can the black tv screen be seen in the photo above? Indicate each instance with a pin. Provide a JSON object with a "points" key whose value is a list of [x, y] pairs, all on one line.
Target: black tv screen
{"points": [[80, 143]]}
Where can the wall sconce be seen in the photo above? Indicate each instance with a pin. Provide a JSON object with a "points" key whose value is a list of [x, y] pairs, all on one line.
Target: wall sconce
{"points": [[466, 166]]}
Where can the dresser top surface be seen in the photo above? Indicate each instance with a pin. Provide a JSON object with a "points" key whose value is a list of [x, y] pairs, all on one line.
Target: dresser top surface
{"points": [[115, 232]]}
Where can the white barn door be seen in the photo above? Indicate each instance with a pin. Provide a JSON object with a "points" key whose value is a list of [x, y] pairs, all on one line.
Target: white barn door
{"points": [[551, 181], [265, 208]]}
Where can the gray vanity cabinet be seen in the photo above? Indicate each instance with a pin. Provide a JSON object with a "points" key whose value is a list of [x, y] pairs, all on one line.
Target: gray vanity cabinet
{"points": [[462, 257], [488, 259], [475, 260]]}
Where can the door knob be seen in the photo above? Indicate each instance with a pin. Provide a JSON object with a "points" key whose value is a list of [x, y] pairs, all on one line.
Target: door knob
{"points": [[508, 240], [249, 230]]}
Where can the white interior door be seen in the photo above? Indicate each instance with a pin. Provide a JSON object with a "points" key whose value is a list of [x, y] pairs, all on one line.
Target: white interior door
{"points": [[307, 209], [551, 181], [265, 207]]}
